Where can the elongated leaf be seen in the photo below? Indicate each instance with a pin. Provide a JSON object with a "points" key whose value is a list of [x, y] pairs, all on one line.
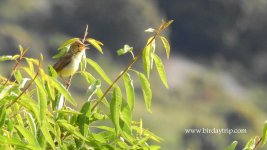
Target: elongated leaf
{"points": [[99, 138], [115, 108], [62, 90], [166, 46], [8, 57], [32, 124], [160, 69], [42, 101], [18, 76], [28, 136], [232, 146], [147, 93], [5, 91], [146, 60], [99, 70], [83, 62], [90, 79], [45, 131], [83, 119], [27, 102], [106, 128], [70, 128], [129, 88], [126, 114], [2, 115], [250, 144], [52, 72], [96, 44], [167, 24], [147, 133], [61, 53], [264, 133], [68, 42], [93, 88], [16, 142]]}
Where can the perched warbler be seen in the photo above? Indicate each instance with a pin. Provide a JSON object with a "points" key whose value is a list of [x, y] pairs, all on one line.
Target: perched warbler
{"points": [[69, 63]]}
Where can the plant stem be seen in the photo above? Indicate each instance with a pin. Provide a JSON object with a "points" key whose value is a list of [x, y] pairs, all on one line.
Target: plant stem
{"points": [[27, 87], [15, 66]]}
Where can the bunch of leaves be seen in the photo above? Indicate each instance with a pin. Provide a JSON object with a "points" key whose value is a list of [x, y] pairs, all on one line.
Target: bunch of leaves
{"points": [[254, 142], [34, 112]]}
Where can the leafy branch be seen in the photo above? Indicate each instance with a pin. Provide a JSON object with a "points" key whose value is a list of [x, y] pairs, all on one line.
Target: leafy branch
{"points": [[156, 33]]}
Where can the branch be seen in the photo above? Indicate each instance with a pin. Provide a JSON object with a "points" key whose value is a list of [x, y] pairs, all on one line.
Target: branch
{"points": [[85, 33], [258, 143], [18, 60], [27, 87], [129, 65]]}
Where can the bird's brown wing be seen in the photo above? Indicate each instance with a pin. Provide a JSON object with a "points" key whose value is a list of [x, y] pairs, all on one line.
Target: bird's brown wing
{"points": [[62, 62]]}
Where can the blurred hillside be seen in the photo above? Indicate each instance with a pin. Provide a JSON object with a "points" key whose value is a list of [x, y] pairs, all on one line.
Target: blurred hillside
{"points": [[217, 71]]}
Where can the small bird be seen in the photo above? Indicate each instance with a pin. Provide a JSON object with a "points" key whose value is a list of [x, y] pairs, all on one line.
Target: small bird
{"points": [[69, 63]]}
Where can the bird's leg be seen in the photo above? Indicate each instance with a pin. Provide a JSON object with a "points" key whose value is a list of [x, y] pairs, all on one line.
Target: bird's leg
{"points": [[68, 82]]}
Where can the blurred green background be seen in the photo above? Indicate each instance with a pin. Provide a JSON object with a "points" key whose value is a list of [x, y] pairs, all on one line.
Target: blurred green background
{"points": [[217, 71]]}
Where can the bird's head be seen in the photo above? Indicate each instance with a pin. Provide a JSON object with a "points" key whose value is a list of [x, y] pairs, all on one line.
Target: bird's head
{"points": [[77, 47]]}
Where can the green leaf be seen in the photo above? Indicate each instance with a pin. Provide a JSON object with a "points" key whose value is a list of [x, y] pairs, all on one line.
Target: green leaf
{"points": [[62, 90], [61, 53], [147, 133], [96, 44], [5, 91], [52, 72], [16, 142], [115, 108], [126, 114], [166, 46], [27, 102], [28, 136], [31, 123], [232, 146], [99, 70], [250, 144], [8, 57], [167, 24], [147, 93], [160, 69], [124, 50], [129, 88], [90, 79], [106, 128], [83, 119], [42, 101], [264, 133], [68, 42], [2, 115], [47, 135], [18, 76], [146, 60], [71, 129], [93, 88], [99, 138], [83, 62]]}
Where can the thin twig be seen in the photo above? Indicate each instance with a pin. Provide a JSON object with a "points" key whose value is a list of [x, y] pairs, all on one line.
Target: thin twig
{"points": [[27, 87], [15, 67], [85, 33], [258, 143], [128, 66]]}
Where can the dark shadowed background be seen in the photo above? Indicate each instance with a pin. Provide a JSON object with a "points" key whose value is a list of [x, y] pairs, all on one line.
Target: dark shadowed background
{"points": [[218, 66]]}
